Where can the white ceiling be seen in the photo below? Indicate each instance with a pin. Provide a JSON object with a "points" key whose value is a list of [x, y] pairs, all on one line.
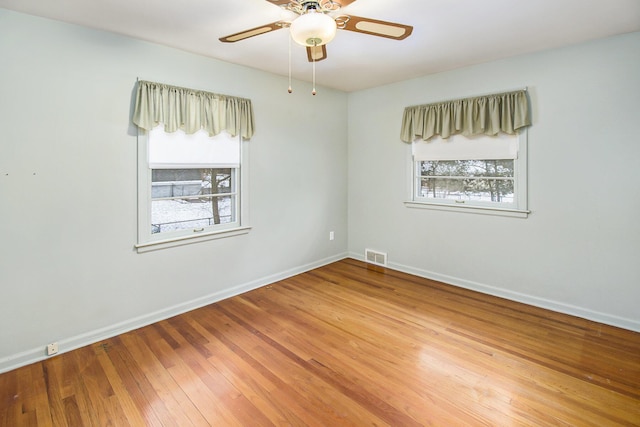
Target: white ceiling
{"points": [[447, 34]]}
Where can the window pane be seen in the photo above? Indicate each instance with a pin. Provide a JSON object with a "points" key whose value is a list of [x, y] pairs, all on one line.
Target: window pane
{"points": [[468, 189], [187, 199], [190, 182], [190, 213], [468, 168]]}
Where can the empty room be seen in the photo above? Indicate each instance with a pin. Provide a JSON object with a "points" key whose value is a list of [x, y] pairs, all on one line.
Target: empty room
{"points": [[319, 213]]}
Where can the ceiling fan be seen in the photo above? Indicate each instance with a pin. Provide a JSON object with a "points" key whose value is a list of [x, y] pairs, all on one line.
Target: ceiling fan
{"points": [[314, 24]]}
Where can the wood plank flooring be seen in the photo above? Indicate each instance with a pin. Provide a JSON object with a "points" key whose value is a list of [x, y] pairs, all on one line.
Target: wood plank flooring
{"points": [[342, 345]]}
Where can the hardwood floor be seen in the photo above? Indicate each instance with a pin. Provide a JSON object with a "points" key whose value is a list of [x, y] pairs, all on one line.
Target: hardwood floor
{"points": [[342, 345]]}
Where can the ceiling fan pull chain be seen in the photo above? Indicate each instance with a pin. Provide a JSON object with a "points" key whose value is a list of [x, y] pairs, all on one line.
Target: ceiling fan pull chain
{"points": [[313, 92], [290, 90]]}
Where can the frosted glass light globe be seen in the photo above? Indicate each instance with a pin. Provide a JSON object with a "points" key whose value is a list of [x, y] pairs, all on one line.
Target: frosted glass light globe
{"points": [[313, 29]]}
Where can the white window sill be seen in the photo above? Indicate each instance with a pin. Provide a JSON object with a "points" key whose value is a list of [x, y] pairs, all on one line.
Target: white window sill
{"points": [[187, 240], [481, 210]]}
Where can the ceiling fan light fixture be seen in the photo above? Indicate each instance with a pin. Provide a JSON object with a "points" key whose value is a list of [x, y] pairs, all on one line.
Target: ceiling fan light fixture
{"points": [[313, 29]]}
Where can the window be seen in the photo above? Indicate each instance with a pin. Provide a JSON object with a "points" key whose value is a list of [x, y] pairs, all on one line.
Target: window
{"points": [[485, 174], [192, 199], [487, 181], [190, 187]]}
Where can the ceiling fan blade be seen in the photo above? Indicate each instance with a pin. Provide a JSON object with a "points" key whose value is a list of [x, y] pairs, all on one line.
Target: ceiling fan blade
{"points": [[374, 27], [252, 32], [316, 53]]}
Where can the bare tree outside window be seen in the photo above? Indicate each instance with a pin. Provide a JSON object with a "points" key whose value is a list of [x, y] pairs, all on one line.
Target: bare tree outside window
{"points": [[473, 180], [191, 198]]}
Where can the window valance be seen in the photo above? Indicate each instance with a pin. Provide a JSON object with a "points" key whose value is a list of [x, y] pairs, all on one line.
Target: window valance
{"points": [[488, 115], [191, 110]]}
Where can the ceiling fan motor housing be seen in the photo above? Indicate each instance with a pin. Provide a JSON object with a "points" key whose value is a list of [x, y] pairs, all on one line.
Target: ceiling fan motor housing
{"points": [[313, 28]]}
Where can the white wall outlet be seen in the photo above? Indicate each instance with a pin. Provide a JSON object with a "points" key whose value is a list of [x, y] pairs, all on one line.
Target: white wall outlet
{"points": [[52, 349], [331, 235]]}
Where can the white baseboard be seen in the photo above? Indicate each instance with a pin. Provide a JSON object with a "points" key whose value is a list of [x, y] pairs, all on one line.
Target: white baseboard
{"points": [[90, 337], [596, 316]]}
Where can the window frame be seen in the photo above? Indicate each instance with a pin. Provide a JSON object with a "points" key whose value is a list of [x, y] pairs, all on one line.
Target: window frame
{"points": [[520, 205], [147, 241]]}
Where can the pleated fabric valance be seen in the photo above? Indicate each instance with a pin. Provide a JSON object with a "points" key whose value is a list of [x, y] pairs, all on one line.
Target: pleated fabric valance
{"points": [[191, 110], [488, 115]]}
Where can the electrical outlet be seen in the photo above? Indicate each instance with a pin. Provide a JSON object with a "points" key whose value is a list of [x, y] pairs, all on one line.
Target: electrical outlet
{"points": [[331, 235], [52, 349]]}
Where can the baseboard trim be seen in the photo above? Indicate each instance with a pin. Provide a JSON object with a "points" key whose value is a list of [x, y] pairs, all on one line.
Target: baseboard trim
{"points": [[596, 316], [90, 337]]}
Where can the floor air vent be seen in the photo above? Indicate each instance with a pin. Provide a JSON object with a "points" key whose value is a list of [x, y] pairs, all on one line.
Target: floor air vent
{"points": [[374, 257]]}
